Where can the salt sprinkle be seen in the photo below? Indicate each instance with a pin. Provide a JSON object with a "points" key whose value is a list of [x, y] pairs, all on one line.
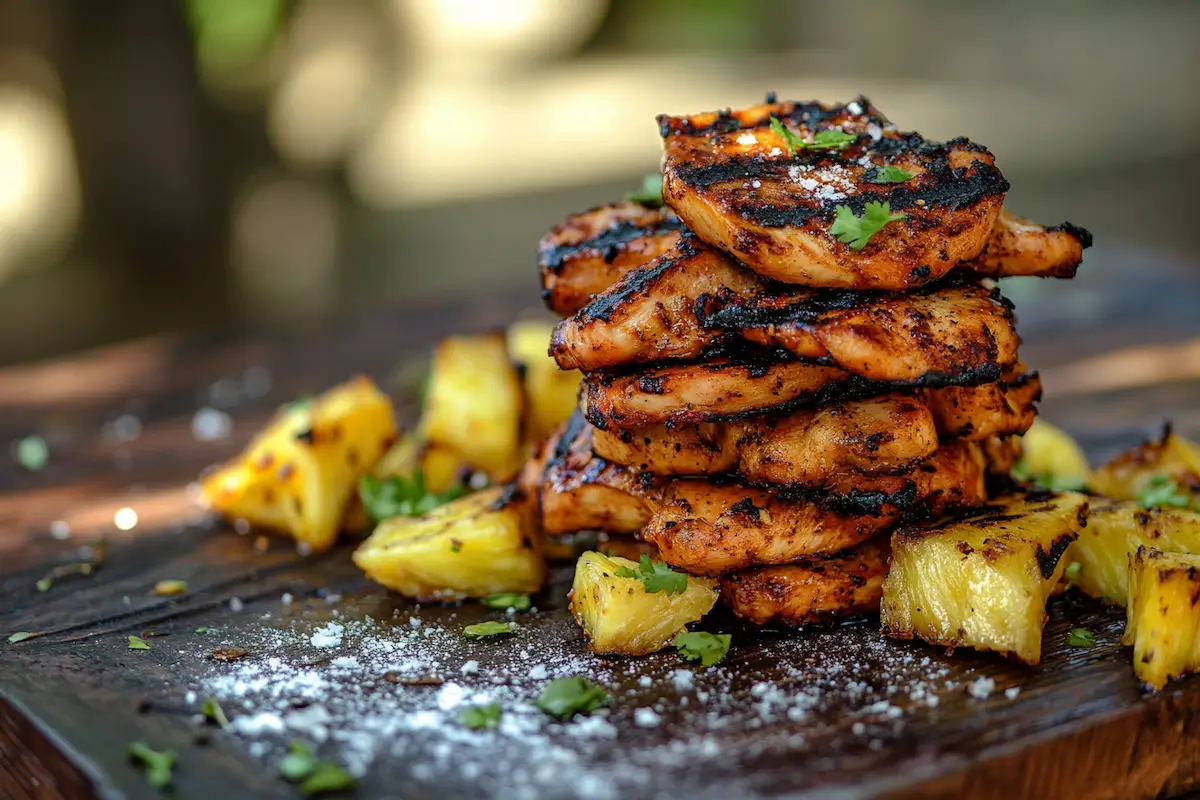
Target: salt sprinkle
{"points": [[683, 679], [981, 688], [646, 717], [1012, 693], [469, 668], [328, 636], [747, 138], [286, 598], [236, 604]]}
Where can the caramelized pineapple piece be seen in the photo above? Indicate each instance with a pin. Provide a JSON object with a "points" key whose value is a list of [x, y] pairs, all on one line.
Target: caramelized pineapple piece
{"points": [[1165, 472], [300, 474], [982, 581], [620, 616], [1114, 532], [1163, 617], [1051, 458], [551, 393], [481, 544], [475, 403]]}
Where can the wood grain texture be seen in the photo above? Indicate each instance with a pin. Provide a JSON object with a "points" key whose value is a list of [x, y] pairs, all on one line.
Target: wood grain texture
{"points": [[72, 699]]}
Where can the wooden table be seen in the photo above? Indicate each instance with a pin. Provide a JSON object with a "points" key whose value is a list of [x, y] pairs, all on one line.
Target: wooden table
{"points": [[839, 713]]}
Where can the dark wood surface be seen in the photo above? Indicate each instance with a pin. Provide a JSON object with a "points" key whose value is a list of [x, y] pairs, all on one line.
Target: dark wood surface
{"points": [[1118, 357]]}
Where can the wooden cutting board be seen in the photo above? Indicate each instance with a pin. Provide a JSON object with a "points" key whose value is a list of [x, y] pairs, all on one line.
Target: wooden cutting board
{"points": [[828, 712]]}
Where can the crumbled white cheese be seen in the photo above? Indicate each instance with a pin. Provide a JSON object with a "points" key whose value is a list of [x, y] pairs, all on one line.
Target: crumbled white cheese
{"points": [[747, 138]]}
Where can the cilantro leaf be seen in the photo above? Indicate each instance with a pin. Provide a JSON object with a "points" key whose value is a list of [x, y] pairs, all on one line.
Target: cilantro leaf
{"points": [[1048, 480], [1081, 637], [21, 636], [138, 643], [480, 717], [32, 453], [830, 139], [485, 630], [656, 576], [791, 141], [158, 765], [708, 648], [854, 231], [400, 497], [505, 600], [213, 712], [565, 697], [886, 173], [1163, 492], [315, 777], [650, 193], [1071, 573]]}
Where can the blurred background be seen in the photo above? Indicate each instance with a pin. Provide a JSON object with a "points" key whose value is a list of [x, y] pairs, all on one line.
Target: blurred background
{"points": [[173, 164]]}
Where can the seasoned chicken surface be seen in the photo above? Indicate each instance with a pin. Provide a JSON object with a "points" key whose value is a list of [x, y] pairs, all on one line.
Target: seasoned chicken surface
{"points": [[817, 590], [1019, 247], [770, 195], [709, 527], [809, 447], [589, 252], [691, 299], [736, 385]]}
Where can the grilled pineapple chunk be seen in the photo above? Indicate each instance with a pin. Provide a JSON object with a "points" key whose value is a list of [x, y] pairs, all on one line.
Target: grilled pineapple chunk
{"points": [[300, 473], [1163, 618], [1156, 471], [441, 468], [983, 581], [551, 393], [475, 402], [1114, 532], [620, 616], [1051, 458], [481, 544]]}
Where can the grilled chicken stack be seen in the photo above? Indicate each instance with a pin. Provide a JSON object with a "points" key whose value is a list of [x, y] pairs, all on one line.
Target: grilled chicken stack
{"points": [[802, 348]]}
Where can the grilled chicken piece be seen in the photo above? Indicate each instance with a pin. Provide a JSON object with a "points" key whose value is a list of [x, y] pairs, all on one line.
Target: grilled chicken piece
{"points": [[848, 584], [736, 385], [1018, 247], [589, 252], [731, 179], [692, 299], [708, 527], [808, 447]]}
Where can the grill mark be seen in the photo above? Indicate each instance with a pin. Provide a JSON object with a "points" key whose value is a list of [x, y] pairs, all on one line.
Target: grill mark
{"points": [[607, 304], [562, 448], [1082, 235], [810, 113], [608, 243]]}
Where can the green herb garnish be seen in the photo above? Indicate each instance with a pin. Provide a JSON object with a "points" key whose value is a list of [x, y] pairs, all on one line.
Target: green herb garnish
{"points": [[650, 193], [708, 648], [855, 232], [565, 697], [887, 174], [656, 576], [213, 712], [1072, 571], [1163, 492], [791, 141], [138, 643], [484, 630], [21, 636], [399, 497], [302, 766], [1048, 481], [32, 453], [822, 140], [480, 717], [517, 602], [1081, 637], [158, 765]]}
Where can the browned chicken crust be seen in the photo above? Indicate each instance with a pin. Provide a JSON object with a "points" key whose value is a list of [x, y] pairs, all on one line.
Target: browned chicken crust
{"points": [[809, 447], [589, 252], [816, 590], [709, 526], [731, 179], [1019, 247]]}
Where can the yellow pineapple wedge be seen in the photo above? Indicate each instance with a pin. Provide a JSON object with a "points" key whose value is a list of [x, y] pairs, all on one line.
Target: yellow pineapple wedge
{"points": [[619, 615], [1163, 617], [982, 581], [301, 472], [1051, 458], [1098, 561], [551, 393], [1162, 472], [481, 544]]}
